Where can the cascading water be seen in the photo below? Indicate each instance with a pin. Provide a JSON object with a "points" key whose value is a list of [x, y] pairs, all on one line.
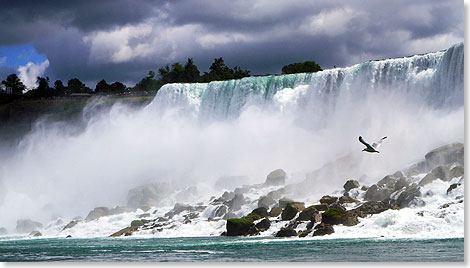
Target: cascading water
{"points": [[195, 133]]}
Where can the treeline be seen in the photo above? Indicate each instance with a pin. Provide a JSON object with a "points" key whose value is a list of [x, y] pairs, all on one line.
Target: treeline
{"points": [[176, 73]]}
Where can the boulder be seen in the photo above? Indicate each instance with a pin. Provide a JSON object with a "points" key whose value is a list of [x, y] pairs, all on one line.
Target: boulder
{"points": [[70, 225], [35, 233], [119, 210], [401, 182], [457, 171], [364, 188], [328, 199], [242, 190], [144, 215], [3, 231], [266, 202], [323, 229], [350, 184], [446, 154], [126, 231], [228, 195], [236, 202], [377, 193], [337, 206], [27, 225], [427, 179], [304, 233], [69, 236], [371, 207], [398, 174], [309, 214], [148, 194], [263, 212], [416, 169], [236, 227], [409, 197], [220, 211], [337, 216], [321, 207], [229, 215], [263, 225], [442, 173], [286, 232], [387, 182], [274, 212], [275, 178], [277, 194], [137, 223], [347, 199], [291, 210], [97, 213], [452, 187], [284, 201]]}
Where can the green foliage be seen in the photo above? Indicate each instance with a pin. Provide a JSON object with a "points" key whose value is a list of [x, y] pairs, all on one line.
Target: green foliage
{"points": [[334, 213], [136, 223], [239, 222], [304, 67], [76, 86], [15, 84], [252, 217], [218, 71], [148, 83]]}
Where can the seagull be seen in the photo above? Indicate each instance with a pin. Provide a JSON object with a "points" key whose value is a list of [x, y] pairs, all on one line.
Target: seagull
{"points": [[374, 147]]}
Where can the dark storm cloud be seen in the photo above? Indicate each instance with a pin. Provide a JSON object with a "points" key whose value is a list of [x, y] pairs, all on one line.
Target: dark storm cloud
{"points": [[122, 40]]}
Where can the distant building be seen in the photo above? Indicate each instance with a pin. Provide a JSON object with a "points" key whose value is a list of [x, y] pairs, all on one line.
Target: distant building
{"points": [[5, 89]]}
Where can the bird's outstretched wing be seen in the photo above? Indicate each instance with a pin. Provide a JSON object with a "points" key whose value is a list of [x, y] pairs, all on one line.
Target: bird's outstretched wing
{"points": [[365, 143], [378, 143]]}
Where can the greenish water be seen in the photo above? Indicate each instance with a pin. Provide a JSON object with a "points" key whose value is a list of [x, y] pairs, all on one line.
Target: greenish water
{"points": [[225, 249]]}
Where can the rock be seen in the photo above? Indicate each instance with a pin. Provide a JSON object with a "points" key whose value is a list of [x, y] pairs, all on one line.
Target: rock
{"points": [[337, 206], [70, 225], [446, 154], [145, 215], [262, 211], [323, 229], [328, 199], [228, 195], [401, 182], [120, 210], [442, 173], [276, 211], [310, 225], [457, 171], [350, 184], [276, 177], [35, 233], [27, 225], [266, 202], [291, 210], [284, 201], [398, 174], [242, 190], [377, 193], [427, 179], [236, 227], [236, 202], [416, 169], [371, 207], [148, 195], [3, 231], [364, 188], [286, 232], [277, 194], [69, 236], [304, 233], [220, 211], [229, 215], [137, 223], [409, 196], [178, 208], [337, 216], [347, 199], [321, 207], [145, 208], [309, 214], [452, 187], [387, 182], [126, 231], [97, 213], [263, 225]]}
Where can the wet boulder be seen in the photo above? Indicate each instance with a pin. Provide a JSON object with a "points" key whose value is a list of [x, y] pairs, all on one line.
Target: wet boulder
{"points": [[427, 179], [328, 199], [229, 215], [27, 225], [409, 197], [442, 173], [286, 232], [263, 225], [35, 233], [277, 194], [284, 201], [119, 210], [291, 210], [148, 194], [347, 199], [323, 229], [263, 212], [275, 178], [125, 231], [266, 202], [236, 202], [309, 214], [137, 223], [371, 207], [377, 193], [242, 226], [228, 195], [401, 182], [321, 207], [350, 184], [220, 211], [304, 233], [337, 216], [97, 213], [457, 171], [3, 231], [275, 211], [452, 187], [387, 182], [446, 154], [70, 225]]}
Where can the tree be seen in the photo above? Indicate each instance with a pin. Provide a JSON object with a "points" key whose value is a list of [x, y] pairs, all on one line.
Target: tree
{"points": [[12, 81], [219, 71], [43, 89], [59, 88], [117, 87], [76, 86], [191, 72], [148, 83], [102, 87], [304, 67]]}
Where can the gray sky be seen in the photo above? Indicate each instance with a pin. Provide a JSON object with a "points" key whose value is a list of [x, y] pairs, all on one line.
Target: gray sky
{"points": [[122, 40]]}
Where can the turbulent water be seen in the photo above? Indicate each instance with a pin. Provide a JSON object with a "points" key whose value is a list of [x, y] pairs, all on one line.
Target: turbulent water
{"points": [[194, 134]]}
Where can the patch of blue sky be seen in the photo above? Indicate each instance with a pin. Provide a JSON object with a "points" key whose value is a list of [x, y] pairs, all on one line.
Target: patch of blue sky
{"points": [[14, 56]]}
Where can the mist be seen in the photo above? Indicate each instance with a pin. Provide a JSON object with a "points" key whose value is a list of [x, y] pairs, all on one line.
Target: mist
{"points": [[58, 172]]}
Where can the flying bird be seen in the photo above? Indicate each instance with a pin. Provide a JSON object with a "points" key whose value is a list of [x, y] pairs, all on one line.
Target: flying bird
{"points": [[374, 147]]}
